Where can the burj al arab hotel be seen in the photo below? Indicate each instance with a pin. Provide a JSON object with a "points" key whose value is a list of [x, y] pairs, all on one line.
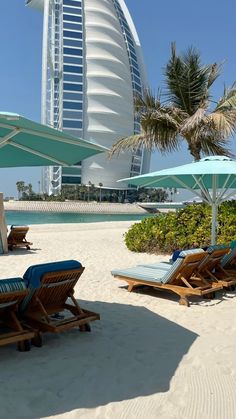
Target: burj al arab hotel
{"points": [[92, 67]]}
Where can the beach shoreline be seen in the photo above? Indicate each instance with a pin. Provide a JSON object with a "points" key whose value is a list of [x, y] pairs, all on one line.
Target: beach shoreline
{"points": [[148, 357]]}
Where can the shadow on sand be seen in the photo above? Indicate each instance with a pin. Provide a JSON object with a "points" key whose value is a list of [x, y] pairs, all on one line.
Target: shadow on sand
{"points": [[131, 352]]}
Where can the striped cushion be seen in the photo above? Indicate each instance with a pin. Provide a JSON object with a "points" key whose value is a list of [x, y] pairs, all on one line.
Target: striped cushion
{"points": [[227, 259], [157, 273], [149, 274], [167, 265], [211, 249], [190, 252], [140, 272], [160, 265], [12, 284]]}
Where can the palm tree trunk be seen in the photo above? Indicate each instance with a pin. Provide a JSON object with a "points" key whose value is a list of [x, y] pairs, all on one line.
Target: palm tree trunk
{"points": [[195, 150]]}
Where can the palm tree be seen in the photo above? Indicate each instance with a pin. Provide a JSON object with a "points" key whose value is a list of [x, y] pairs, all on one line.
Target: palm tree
{"points": [[20, 186], [185, 111]]}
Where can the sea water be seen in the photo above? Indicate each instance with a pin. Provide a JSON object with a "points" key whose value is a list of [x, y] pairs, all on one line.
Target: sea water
{"points": [[33, 217]]}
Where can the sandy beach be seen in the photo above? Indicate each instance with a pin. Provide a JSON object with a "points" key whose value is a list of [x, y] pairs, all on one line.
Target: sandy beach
{"points": [[147, 357]]}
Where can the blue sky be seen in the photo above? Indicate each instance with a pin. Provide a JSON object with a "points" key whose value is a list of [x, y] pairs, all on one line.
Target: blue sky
{"points": [[208, 25]]}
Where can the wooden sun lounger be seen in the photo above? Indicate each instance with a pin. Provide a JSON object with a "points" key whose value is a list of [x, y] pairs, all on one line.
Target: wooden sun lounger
{"points": [[46, 308], [11, 329], [212, 271], [180, 281], [16, 237]]}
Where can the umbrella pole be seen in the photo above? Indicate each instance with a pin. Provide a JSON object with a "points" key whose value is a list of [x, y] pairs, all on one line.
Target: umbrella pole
{"points": [[214, 210], [214, 223], [3, 228]]}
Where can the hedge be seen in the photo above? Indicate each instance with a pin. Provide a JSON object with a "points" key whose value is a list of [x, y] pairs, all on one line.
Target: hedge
{"points": [[182, 229]]}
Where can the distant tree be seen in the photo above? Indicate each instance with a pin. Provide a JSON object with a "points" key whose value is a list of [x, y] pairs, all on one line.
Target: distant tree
{"points": [[100, 191]]}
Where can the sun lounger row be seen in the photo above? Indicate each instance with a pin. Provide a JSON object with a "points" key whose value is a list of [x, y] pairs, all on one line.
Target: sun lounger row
{"points": [[38, 303], [194, 273]]}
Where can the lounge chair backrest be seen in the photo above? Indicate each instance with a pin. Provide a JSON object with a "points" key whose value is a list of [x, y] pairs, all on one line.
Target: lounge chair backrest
{"points": [[187, 261], [17, 233], [51, 282], [214, 257], [229, 257]]}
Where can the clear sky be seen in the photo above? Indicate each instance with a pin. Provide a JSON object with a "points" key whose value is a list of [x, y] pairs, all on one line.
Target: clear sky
{"points": [[209, 25]]}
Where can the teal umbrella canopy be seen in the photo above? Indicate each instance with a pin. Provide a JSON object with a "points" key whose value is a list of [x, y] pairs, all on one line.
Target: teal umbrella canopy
{"points": [[27, 143], [212, 178]]}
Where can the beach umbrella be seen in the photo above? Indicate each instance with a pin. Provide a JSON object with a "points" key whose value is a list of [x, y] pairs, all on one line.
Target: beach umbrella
{"points": [[212, 179], [27, 143]]}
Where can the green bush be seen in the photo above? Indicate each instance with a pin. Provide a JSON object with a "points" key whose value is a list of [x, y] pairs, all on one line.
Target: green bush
{"points": [[182, 229]]}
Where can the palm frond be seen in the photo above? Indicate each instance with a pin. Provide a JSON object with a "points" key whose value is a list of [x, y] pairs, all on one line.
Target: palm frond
{"points": [[188, 81], [193, 121], [228, 100], [214, 73]]}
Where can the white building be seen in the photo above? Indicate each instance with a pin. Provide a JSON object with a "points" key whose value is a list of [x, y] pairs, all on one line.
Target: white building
{"points": [[92, 67]]}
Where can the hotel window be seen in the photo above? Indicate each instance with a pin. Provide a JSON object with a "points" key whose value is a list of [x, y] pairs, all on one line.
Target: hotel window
{"points": [[73, 77], [70, 10], [72, 18], [71, 124], [72, 115], [72, 3], [73, 51], [72, 60], [70, 34], [72, 26], [73, 87], [72, 69], [73, 105], [72, 96]]}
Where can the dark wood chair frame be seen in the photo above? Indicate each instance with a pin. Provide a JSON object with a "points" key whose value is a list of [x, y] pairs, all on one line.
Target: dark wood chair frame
{"points": [[48, 301]]}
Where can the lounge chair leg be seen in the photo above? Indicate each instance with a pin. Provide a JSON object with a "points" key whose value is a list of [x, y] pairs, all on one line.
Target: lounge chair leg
{"points": [[130, 287], [183, 301], [85, 327], [24, 346], [37, 340]]}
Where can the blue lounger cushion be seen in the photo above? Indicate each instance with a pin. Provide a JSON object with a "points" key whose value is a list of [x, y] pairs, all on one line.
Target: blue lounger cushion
{"points": [[34, 273]]}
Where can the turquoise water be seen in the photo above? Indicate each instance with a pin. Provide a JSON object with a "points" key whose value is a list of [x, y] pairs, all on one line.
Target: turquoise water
{"points": [[27, 217]]}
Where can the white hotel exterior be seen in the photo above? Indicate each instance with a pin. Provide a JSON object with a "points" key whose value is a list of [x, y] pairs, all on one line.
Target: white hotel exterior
{"points": [[92, 67]]}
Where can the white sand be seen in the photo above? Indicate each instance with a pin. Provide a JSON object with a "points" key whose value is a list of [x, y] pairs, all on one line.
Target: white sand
{"points": [[148, 357]]}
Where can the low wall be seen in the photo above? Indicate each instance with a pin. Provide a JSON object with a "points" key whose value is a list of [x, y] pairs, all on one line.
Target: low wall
{"points": [[74, 206]]}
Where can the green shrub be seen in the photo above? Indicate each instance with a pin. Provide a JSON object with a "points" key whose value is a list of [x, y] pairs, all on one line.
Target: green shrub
{"points": [[182, 229]]}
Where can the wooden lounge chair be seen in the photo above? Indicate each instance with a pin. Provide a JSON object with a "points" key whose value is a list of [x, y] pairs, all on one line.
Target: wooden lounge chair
{"points": [[12, 292], [16, 237], [176, 279], [47, 308], [212, 270]]}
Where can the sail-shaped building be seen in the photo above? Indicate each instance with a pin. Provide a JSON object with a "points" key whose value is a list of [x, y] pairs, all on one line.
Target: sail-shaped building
{"points": [[92, 67]]}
